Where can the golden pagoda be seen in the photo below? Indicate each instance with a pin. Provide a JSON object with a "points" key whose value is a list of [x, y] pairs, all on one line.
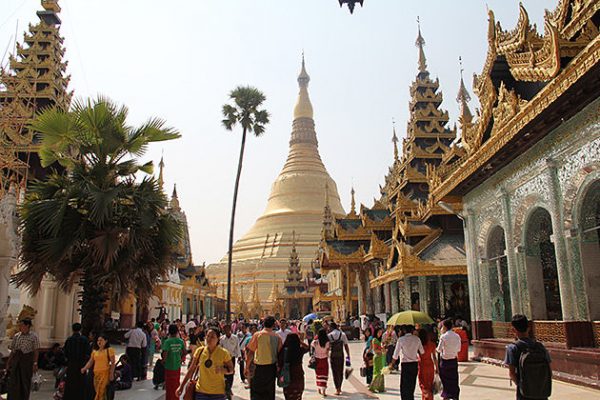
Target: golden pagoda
{"points": [[295, 204]]}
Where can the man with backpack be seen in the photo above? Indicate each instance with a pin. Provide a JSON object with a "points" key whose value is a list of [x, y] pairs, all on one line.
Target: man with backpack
{"points": [[338, 341], [528, 363]]}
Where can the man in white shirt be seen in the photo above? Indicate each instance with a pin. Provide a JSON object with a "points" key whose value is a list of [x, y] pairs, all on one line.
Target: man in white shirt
{"points": [[283, 330], [136, 343], [338, 342], [408, 348], [190, 325], [231, 343], [448, 348]]}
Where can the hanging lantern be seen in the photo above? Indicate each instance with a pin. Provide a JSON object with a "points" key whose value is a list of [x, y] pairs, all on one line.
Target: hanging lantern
{"points": [[351, 4]]}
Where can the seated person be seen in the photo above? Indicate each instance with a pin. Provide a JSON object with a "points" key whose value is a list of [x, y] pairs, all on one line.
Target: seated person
{"points": [[123, 374], [53, 358]]}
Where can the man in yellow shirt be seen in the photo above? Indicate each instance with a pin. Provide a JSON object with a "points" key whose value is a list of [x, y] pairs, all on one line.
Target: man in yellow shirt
{"points": [[263, 349]]}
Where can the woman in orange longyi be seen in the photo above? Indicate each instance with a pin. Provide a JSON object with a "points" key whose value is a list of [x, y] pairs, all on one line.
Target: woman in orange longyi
{"points": [[103, 362], [428, 365]]}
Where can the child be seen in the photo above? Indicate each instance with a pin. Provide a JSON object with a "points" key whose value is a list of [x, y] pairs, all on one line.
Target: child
{"points": [[124, 374]]}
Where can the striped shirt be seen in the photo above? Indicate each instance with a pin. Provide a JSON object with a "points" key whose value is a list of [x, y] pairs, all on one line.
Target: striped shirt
{"points": [[25, 342]]}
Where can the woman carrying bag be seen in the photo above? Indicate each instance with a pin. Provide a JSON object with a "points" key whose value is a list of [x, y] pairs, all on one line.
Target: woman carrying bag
{"points": [[291, 354], [206, 374], [103, 363]]}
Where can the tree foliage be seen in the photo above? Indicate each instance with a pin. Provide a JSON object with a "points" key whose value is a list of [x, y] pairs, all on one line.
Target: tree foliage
{"points": [[95, 221]]}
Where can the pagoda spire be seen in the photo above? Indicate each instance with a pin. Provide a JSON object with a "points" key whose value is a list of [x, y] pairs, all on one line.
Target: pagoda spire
{"points": [[161, 166], [274, 295], [327, 229], [294, 274], [420, 43], [352, 201], [463, 97], [303, 108], [174, 198], [395, 141]]}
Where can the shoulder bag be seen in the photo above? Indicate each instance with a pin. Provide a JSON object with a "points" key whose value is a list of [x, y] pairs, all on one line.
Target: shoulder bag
{"points": [[190, 388], [284, 378], [110, 386]]}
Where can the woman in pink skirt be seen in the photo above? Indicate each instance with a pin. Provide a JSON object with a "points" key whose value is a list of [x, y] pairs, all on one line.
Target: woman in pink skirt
{"points": [[321, 353]]}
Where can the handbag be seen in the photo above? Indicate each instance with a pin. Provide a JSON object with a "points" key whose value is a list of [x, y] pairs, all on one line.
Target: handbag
{"points": [[190, 388], [312, 363], [436, 388], [284, 378], [110, 387]]}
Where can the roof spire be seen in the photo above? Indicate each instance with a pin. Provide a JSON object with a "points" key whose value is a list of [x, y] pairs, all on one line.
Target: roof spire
{"points": [[463, 98], [395, 140], [303, 108], [174, 198], [161, 166], [352, 201], [420, 43]]}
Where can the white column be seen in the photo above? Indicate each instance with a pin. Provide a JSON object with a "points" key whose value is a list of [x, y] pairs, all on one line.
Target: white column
{"points": [[565, 276], [516, 283], [473, 271]]}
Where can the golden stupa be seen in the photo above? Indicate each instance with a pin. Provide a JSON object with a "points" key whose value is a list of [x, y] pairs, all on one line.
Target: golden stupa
{"points": [[296, 203]]}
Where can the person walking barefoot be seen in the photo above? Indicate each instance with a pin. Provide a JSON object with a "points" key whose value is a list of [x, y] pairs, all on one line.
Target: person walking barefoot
{"points": [[321, 348]]}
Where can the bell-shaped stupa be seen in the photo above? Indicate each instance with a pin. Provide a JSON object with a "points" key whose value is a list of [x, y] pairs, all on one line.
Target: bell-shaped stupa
{"points": [[296, 204]]}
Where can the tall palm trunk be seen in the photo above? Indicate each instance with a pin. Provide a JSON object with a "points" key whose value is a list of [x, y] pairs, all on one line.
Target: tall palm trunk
{"points": [[230, 253], [93, 297]]}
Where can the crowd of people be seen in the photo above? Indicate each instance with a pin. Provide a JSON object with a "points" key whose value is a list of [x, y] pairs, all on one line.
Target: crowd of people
{"points": [[267, 353]]}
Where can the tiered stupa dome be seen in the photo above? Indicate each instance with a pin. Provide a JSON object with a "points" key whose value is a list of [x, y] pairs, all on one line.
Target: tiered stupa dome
{"points": [[296, 204]]}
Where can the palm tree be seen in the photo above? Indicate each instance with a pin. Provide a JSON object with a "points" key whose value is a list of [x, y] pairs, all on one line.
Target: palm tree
{"points": [[243, 111], [91, 221]]}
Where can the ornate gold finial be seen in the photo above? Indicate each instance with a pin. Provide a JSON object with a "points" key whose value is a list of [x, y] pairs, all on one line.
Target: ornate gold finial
{"points": [[420, 43], [303, 108], [395, 140]]}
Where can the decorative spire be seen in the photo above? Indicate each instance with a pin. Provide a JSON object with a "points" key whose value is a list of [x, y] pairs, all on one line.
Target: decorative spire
{"points": [[420, 43], [274, 295], [327, 230], [175, 198], [395, 140], [352, 201], [161, 166], [463, 98], [303, 108]]}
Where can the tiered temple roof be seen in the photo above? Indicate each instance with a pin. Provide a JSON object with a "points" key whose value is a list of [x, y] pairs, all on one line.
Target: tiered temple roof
{"points": [[34, 80], [524, 91]]}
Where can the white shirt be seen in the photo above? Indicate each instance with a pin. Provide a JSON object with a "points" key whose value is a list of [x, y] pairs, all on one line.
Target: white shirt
{"points": [[231, 344], [282, 333], [137, 338], [335, 334], [407, 348], [449, 345], [190, 325]]}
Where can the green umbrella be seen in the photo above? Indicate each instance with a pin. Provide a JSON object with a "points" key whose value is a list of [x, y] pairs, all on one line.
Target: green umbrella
{"points": [[410, 318]]}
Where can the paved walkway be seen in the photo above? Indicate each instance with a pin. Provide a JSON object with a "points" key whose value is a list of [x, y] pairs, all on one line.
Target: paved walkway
{"points": [[479, 381]]}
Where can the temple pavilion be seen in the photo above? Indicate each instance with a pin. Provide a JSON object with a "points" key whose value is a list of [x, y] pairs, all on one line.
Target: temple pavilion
{"points": [[398, 254]]}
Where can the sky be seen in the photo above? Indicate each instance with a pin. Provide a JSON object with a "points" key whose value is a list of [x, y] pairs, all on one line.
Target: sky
{"points": [[179, 59]]}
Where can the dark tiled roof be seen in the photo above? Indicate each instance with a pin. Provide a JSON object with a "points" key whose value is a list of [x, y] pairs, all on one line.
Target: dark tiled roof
{"points": [[349, 224], [447, 249], [376, 215], [346, 247]]}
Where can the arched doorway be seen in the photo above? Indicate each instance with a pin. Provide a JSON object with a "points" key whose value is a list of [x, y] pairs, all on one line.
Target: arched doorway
{"points": [[498, 275], [542, 273], [589, 223]]}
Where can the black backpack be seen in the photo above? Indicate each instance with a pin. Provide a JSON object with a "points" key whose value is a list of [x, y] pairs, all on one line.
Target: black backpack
{"points": [[534, 373], [337, 347]]}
